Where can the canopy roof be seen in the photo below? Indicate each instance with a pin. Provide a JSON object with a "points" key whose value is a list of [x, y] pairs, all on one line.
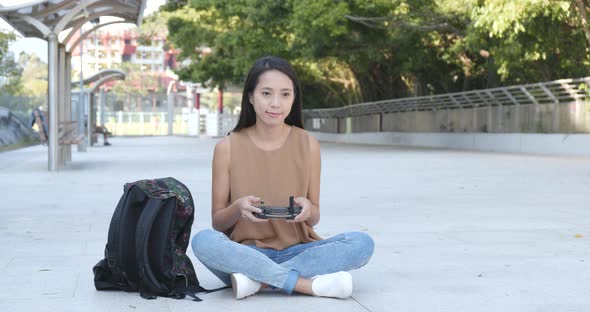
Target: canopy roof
{"points": [[39, 18], [101, 77], [101, 74]]}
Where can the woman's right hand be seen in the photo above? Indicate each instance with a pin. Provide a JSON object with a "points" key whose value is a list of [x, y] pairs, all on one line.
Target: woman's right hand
{"points": [[247, 206]]}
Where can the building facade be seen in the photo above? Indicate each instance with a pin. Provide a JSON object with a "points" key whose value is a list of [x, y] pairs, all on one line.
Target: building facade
{"points": [[104, 49]]}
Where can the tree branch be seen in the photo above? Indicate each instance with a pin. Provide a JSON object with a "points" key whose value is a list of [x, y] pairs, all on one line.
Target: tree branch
{"points": [[581, 6], [388, 22]]}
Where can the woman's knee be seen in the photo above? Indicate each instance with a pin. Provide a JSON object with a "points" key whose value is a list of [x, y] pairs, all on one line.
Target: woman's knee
{"points": [[203, 240], [363, 245]]}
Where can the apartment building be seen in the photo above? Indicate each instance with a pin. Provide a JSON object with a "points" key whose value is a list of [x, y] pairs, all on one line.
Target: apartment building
{"points": [[108, 49]]}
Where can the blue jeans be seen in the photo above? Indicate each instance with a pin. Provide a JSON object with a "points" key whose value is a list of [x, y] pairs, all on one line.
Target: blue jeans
{"points": [[281, 268]]}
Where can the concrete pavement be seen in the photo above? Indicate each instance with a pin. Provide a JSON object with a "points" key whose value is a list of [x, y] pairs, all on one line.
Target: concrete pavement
{"points": [[454, 231]]}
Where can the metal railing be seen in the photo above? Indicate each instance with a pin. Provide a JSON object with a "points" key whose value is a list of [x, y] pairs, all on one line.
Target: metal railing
{"points": [[156, 123], [553, 92]]}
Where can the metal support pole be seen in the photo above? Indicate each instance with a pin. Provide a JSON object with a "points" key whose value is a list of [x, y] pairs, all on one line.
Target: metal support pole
{"points": [[82, 120], [485, 101], [189, 104], [170, 103], [536, 125], [556, 118], [82, 145], [198, 108], [517, 126], [170, 112], [52, 60], [499, 113], [475, 112], [220, 101], [68, 98], [102, 105], [490, 127], [90, 118], [61, 69], [459, 127]]}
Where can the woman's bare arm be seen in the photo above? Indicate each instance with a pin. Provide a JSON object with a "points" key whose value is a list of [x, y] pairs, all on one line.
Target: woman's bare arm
{"points": [[313, 193], [223, 214]]}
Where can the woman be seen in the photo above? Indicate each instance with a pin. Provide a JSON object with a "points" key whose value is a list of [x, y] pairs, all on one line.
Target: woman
{"points": [[269, 157]]}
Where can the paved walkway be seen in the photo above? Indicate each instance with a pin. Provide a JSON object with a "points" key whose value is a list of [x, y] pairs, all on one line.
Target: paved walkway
{"points": [[454, 231]]}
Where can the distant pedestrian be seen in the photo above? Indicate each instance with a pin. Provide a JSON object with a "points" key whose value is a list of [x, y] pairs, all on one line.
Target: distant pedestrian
{"points": [[38, 117], [156, 120], [105, 134]]}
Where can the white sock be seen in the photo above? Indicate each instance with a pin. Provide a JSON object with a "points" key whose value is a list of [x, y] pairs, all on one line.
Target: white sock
{"points": [[335, 285], [243, 286]]}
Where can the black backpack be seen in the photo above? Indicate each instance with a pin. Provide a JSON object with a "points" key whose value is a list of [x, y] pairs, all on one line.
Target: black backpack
{"points": [[148, 236]]}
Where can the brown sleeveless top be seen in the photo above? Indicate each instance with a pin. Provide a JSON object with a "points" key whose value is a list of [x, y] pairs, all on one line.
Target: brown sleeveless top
{"points": [[273, 176]]}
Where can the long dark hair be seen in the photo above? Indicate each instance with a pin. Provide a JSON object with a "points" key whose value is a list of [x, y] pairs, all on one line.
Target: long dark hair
{"points": [[262, 65]]}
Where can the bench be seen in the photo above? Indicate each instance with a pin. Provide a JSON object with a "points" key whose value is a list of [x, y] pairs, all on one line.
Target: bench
{"points": [[67, 133], [41, 126]]}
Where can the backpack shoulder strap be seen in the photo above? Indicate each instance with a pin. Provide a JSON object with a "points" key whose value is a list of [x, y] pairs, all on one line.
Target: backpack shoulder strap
{"points": [[147, 279], [148, 283], [112, 247]]}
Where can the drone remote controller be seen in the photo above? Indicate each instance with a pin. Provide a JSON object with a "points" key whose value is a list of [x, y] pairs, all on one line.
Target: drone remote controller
{"points": [[288, 213]]}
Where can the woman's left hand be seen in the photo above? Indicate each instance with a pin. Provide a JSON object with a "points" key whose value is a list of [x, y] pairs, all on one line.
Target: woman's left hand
{"points": [[305, 205]]}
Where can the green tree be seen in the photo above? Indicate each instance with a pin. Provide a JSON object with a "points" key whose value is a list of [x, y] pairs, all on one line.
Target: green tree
{"points": [[153, 26], [137, 81], [580, 16], [530, 40], [394, 49], [34, 75], [366, 50], [10, 80], [344, 51], [219, 41]]}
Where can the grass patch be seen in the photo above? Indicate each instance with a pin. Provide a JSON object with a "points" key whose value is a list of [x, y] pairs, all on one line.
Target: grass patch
{"points": [[14, 146]]}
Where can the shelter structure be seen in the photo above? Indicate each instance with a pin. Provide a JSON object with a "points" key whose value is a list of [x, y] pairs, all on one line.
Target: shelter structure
{"points": [[97, 80], [56, 21]]}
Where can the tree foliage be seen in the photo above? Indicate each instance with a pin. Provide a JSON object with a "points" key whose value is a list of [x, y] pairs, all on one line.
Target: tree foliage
{"points": [[352, 51], [531, 40], [34, 75], [10, 80], [137, 82]]}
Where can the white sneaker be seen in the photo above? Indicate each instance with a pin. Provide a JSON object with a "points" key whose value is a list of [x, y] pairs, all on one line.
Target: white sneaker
{"points": [[243, 286], [335, 285]]}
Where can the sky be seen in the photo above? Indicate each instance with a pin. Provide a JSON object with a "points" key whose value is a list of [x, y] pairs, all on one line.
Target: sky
{"points": [[38, 46]]}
